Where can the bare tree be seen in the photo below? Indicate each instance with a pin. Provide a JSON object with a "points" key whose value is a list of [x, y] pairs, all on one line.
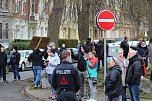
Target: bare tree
{"points": [[55, 20], [149, 16]]}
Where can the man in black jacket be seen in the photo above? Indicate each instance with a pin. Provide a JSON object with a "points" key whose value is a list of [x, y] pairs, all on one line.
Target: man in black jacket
{"points": [[125, 46], [14, 61], [133, 74], [66, 79], [98, 49], [37, 62], [113, 82], [3, 63]]}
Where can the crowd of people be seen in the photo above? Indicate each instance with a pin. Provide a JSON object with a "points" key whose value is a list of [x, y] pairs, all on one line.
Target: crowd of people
{"points": [[70, 83]]}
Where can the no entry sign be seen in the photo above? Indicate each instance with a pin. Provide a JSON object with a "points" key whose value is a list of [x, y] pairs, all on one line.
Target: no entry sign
{"points": [[105, 20]]}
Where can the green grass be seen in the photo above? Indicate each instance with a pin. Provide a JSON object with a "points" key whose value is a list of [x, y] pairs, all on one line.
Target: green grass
{"points": [[31, 85]]}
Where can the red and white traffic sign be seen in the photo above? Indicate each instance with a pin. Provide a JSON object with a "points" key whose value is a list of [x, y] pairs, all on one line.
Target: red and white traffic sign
{"points": [[105, 20]]}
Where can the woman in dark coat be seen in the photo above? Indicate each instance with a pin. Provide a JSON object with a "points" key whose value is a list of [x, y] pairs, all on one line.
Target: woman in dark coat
{"points": [[143, 53]]}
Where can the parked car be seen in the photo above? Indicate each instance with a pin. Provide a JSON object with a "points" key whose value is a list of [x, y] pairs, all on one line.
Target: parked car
{"points": [[24, 64]]}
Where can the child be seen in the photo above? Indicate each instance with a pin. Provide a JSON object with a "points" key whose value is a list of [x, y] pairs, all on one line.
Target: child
{"points": [[92, 64], [52, 61]]}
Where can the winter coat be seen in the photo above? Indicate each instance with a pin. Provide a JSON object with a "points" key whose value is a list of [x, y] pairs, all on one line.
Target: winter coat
{"points": [[142, 51], [36, 58], [90, 46], [15, 58], [81, 63], [124, 45], [113, 82], [92, 65], [67, 74], [99, 49], [150, 52], [124, 65], [54, 62], [133, 74], [3, 63]]}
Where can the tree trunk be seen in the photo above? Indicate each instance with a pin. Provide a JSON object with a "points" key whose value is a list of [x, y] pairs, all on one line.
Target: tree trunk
{"points": [[149, 18], [83, 20], [55, 20]]}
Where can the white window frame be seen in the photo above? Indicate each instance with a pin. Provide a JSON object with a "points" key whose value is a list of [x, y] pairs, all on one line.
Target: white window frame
{"points": [[31, 4], [17, 6], [23, 7]]}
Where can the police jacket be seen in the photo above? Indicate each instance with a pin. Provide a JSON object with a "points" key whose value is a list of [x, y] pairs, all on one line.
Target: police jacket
{"points": [[66, 76], [113, 82], [36, 58], [15, 58], [133, 74], [3, 59]]}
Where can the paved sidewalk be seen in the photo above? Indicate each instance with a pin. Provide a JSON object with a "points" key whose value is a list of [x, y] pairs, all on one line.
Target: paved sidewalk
{"points": [[43, 94]]}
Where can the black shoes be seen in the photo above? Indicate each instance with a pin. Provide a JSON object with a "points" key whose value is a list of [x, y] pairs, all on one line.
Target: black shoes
{"points": [[6, 82]]}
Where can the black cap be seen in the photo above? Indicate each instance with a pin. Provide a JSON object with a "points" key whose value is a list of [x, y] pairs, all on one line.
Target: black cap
{"points": [[52, 50], [133, 48]]}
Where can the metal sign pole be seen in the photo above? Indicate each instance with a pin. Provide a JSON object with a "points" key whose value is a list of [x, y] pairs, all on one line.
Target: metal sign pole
{"points": [[105, 62]]}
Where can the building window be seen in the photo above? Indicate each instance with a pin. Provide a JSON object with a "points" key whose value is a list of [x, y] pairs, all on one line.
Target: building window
{"points": [[6, 4], [0, 3], [23, 7], [31, 8], [6, 31], [69, 32], [0, 30], [17, 5]]}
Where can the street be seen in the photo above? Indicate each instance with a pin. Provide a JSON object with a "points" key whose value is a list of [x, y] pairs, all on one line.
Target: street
{"points": [[12, 91]]}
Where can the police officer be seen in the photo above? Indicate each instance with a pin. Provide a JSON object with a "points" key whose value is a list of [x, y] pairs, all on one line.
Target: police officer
{"points": [[66, 79]]}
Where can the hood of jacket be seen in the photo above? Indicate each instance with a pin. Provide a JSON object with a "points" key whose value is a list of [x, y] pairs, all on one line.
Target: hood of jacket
{"points": [[116, 67], [134, 58]]}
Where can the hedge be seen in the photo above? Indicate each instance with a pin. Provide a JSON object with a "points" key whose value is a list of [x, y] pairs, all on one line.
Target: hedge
{"points": [[69, 43], [21, 45]]}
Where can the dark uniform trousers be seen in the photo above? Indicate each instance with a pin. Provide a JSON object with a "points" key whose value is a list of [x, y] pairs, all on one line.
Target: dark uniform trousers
{"points": [[64, 96]]}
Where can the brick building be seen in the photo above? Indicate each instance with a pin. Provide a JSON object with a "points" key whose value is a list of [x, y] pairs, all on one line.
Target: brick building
{"points": [[29, 18]]}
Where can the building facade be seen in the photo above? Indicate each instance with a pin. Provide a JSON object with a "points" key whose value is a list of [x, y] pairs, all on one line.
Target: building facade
{"points": [[29, 18], [4, 19]]}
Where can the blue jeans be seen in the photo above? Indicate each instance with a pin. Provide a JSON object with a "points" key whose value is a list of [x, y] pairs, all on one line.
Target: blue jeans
{"points": [[37, 72], [15, 71], [134, 92], [124, 98], [50, 82]]}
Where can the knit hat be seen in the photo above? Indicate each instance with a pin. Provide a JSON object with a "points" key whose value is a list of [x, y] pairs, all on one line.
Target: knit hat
{"points": [[115, 60]]}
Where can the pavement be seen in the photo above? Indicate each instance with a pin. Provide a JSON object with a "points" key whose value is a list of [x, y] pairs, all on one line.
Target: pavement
{"points": [[43, 94]]}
